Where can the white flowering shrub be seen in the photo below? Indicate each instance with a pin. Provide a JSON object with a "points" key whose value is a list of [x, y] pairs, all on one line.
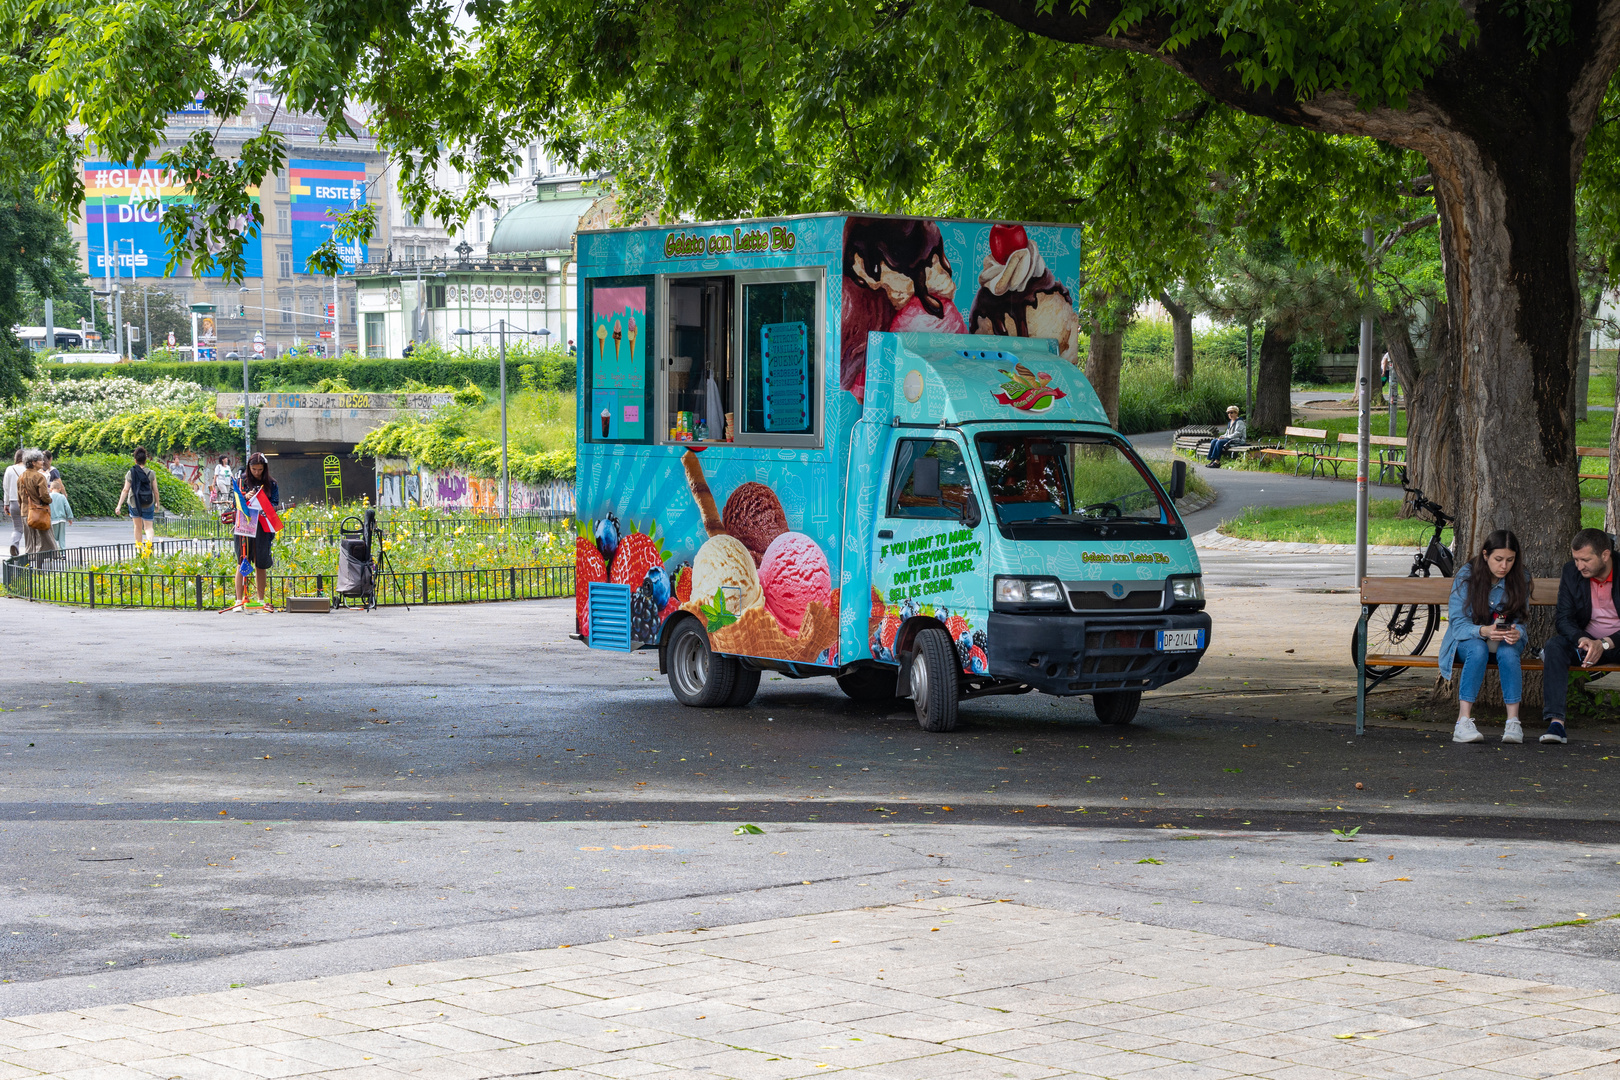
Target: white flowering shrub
{"points": [[102, 399]]}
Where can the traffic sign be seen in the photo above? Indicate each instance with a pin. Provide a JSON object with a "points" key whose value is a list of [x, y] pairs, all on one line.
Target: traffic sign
{"points": [[326, 333], [237, 421], [203, 309]]}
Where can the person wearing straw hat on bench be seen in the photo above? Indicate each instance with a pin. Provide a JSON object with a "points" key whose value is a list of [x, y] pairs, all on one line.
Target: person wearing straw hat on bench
{"points": [[1237, 431]]}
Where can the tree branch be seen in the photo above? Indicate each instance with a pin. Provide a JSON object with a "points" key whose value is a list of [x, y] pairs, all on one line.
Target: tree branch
{"points": [[1404, 229]]}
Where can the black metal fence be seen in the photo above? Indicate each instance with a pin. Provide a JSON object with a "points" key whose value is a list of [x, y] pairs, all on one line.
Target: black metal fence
{"points": [[104, 554], [211, 528], [205, 592]]}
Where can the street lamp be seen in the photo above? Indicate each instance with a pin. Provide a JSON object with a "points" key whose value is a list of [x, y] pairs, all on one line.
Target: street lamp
{"points": [[501, 330]]}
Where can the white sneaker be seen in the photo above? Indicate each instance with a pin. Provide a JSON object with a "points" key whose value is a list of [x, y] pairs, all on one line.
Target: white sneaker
{"points": [[1513, 732], [1465, 731]]}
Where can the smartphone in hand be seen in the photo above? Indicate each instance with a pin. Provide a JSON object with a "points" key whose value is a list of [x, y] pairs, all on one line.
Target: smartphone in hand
{"points": [[1503, 624]]}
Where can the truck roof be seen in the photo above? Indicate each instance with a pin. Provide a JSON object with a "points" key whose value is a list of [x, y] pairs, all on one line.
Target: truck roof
{"points": [[962, 378], [676, 225]]}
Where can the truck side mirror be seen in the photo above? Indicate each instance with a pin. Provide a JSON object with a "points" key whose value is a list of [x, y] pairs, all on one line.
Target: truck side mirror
{"points": [[970, 512], [1178, 479], [925, 478]]}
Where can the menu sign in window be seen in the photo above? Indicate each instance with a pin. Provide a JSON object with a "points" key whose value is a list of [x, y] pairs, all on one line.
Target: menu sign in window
{"points": [[786, 371], [618, 375]]}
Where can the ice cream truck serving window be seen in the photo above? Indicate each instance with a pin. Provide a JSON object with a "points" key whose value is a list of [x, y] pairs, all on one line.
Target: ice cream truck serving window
{"points": [[862, 447], [708, 358]]}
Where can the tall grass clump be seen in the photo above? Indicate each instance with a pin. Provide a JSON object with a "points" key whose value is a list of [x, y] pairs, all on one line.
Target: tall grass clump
{"points": [[1150, 401]]}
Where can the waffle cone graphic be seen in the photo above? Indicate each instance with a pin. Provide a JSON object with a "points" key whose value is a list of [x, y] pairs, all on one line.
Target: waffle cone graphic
{"points": [[757, 633]]}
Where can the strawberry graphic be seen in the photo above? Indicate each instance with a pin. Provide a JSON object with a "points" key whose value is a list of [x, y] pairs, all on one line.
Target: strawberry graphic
{"points": [[670, 608], [638, 553], [978, 661], [891, 627], [588, 567], [957, 627], [683, 584]]}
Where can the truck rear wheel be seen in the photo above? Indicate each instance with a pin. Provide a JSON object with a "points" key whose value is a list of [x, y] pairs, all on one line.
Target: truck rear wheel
{"points": [[874, 686], [746, 686], [934, 676], [1118, 708], [699, 677]]}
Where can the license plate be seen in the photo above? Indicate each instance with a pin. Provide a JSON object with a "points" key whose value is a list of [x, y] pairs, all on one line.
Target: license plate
{"points": [[1181, 640]]}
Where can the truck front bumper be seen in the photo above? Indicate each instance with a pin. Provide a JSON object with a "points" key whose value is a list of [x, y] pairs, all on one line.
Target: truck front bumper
{"points": [[1075, 654]]}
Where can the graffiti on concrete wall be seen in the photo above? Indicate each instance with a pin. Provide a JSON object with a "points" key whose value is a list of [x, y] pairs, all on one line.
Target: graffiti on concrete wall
{"points": [[453, 489]]}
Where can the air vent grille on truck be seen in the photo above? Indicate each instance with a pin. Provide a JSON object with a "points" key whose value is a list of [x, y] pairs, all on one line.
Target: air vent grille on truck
{"points": [[1096, 600], [610, 615]]}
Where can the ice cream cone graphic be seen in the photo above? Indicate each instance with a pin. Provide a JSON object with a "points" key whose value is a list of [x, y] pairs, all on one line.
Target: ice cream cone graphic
{"points": [[601, 339], [617, 334], [630, 332]]}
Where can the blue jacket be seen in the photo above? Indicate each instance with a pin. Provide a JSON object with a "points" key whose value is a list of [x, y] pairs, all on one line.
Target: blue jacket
{"points": [[1460, 618]]}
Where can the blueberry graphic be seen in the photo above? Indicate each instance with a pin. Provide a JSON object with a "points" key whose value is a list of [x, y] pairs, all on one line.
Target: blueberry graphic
{"points": [[658, 581], [607, 535]]}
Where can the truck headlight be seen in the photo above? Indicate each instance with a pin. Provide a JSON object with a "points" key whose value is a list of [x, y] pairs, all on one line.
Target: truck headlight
{"points": [[1041, 591], [1187, 589]]}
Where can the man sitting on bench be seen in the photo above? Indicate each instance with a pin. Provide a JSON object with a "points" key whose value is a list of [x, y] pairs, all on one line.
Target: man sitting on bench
{"points": [[1236, 432], [1587, 622]]}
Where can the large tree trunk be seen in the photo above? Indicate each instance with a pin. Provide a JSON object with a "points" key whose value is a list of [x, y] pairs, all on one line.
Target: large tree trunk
{"points": [[1273, 405], [1612, 515], [1103, 360], [1182, 357], [1502, 122]]}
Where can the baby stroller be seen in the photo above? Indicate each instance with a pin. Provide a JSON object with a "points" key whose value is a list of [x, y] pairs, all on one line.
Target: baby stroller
{"points": [[360, 561]]}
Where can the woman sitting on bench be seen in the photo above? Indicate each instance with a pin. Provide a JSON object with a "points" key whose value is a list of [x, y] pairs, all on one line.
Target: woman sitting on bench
{"points": [[1490, 599], [1236, 432]]}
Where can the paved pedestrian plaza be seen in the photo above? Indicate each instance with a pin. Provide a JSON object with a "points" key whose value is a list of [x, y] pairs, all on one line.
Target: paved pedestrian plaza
{"points": [[945, 988]]}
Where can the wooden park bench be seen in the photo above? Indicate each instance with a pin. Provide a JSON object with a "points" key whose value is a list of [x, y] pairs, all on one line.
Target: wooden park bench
{"points": [[1391, 451], [1195, 439], [1310, 452], [1431, 591], [1593, 452]]}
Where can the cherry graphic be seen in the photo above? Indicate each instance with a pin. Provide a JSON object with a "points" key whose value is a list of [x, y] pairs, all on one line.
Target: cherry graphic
{"points": [[1006, 239]]}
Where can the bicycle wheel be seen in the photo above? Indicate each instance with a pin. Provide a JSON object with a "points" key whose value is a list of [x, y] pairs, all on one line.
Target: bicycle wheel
{"points": [[1402, 629]]}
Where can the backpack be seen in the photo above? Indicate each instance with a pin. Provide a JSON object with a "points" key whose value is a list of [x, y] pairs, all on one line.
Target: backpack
{"points": [[140, 487]]}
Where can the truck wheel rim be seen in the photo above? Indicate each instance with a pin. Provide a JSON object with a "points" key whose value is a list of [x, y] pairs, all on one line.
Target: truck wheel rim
{"points": [[692, 664], [919, 682]]}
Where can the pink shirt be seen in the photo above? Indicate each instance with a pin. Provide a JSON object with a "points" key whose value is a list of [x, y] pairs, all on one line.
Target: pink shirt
{"points": [[1605, 622]]}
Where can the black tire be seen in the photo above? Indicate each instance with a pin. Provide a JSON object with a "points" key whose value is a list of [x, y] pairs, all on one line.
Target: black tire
{"points": [[698, 677], [744, 689], [1403, 629], [935, 678], [1118, 707], [874, 686]]}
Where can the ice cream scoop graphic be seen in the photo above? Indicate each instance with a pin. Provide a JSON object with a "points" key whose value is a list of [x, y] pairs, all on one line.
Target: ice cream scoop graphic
{"points": [[617, 334], [601, 339], [723, 565], [754, 515], [630, 332], [794, 575]]}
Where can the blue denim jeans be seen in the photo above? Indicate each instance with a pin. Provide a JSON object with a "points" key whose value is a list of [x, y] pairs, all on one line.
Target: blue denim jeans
{"points": [[1216, 448], [1475, 652]]}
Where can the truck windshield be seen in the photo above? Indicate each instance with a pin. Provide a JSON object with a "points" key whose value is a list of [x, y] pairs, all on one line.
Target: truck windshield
{"points": [[1054, 486]]}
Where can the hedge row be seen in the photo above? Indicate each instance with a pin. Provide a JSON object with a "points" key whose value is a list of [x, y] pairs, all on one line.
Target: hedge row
{"points": [[159, 430], [93, 482], [379, 376], [436, 444]]}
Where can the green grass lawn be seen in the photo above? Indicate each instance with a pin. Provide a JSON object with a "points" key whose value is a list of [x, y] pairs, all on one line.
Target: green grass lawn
{"points": [[1335, 523]]}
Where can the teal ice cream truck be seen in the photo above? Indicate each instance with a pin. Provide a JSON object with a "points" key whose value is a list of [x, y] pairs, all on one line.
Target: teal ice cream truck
{"points": [[862, 447]]}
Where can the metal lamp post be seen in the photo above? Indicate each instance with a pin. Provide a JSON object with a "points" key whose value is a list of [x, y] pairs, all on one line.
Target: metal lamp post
{"points": [[500, 330]]}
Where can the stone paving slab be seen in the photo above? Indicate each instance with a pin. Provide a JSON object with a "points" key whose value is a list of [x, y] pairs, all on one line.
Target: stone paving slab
{"points": [[935, 990]]}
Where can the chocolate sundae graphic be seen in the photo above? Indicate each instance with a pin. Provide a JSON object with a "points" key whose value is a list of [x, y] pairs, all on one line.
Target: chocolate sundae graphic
{"points": [[759, 588], [1019, 297], [896, 278]]}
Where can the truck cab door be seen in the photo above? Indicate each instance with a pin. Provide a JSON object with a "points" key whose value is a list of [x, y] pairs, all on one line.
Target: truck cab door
{"points": [[928, 553]]}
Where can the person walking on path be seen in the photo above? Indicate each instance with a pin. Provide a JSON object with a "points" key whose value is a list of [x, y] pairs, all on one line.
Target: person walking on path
{"points": [[222, 481], [61, 514], [1490, 599], [1237, 431], [34, 494], [1587, 621], [141, 492], [255, 550], [14, 473]]}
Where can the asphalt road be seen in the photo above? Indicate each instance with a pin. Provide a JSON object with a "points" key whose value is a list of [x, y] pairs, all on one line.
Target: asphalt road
{"points": [[194, 800]]}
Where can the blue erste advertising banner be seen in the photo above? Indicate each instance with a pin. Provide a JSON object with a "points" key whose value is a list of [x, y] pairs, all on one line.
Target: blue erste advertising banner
{"points": [[117, 196], [320, 191]]}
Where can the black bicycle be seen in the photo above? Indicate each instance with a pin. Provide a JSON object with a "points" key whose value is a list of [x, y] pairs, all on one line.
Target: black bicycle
{"points": [[1408, 628]]}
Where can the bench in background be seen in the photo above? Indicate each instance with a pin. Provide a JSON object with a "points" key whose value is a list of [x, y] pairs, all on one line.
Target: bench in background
{"points": [[1310, 452]]}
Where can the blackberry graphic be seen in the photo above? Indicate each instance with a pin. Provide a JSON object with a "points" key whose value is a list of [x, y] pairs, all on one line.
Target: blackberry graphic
{"points": [[962, 650], [980, 641], [643, 613]]}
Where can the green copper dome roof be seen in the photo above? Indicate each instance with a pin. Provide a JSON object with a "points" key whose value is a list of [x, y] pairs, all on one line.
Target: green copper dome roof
{"points": [[539, 227]]}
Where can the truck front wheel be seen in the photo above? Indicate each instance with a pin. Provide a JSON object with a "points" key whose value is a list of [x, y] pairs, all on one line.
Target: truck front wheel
{"points": [[934, 675], [699, 677], [1118, 708]]}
